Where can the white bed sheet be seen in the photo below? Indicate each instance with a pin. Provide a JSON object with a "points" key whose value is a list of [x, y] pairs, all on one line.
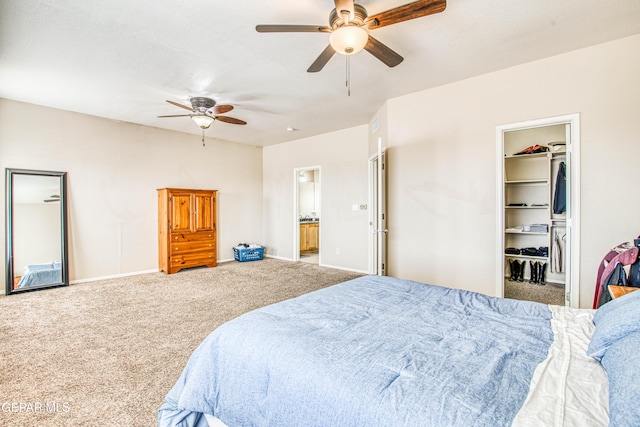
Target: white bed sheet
{"points": [[214, 421], [568, 388]]}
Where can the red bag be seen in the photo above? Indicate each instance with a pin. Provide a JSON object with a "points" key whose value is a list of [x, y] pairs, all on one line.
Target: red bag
{"points": [[533, 149]]}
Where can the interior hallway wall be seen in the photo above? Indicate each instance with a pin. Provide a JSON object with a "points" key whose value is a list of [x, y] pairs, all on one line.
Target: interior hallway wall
{"points": [[342, 158]]}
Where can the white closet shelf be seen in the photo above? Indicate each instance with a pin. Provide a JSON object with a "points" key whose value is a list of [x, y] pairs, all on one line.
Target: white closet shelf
{"points": [[528, 181], [528, 207], [539, 233], [541, 258], [527, 156]]}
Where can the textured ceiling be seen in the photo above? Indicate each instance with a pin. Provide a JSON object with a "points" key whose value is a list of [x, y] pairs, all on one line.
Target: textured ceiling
{"points": [[121, 59]]}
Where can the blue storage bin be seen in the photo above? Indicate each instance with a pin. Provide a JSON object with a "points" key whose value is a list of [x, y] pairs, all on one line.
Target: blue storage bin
{"points": [[248, 254]]}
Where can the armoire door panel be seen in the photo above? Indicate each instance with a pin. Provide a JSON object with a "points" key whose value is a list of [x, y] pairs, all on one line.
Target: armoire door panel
{"points": [[181, 215], [204, 212]]}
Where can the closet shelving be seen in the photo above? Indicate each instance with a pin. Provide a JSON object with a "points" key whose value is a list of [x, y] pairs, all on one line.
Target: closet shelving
{"points": [[528, 196]]}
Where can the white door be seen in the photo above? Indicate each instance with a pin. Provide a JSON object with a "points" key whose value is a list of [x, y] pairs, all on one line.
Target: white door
{"points": [[571, 218], [378, 215]]}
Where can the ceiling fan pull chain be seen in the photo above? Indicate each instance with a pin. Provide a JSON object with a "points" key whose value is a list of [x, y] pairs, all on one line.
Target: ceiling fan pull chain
{"points": [[203, 137], [348, 82]]}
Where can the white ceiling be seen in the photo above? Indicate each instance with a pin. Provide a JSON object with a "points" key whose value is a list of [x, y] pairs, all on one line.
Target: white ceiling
{"points": [[121, 59]]}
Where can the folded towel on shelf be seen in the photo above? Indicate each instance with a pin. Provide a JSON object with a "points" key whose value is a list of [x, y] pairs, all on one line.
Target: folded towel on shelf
{"points": [[539, 228]]}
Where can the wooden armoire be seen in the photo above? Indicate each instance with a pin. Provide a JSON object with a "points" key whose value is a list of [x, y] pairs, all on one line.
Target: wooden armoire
{"points": [[186, 229]]}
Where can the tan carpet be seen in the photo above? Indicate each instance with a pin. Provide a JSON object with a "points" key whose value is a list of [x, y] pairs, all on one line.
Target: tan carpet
{"points": [[550, 293], [106, 353]]}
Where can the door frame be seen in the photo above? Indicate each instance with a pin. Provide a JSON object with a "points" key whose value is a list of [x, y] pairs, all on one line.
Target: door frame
{"points": [[572, 285], [296, 211]]}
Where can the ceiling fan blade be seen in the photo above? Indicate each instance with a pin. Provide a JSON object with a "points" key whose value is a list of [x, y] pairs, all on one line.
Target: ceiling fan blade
{"points": [[292, 29], [383, 52], [409, 11], [176, 115], [221, 109], [345, 5], [321, 60], [180, 105], [231, 120]]}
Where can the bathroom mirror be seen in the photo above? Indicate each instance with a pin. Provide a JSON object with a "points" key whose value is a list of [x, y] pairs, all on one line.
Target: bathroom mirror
{"points": [[36, 230]]}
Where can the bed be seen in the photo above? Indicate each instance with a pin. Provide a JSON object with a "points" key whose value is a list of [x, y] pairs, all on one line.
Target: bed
{"points": [[41, 274], [379, 351]]}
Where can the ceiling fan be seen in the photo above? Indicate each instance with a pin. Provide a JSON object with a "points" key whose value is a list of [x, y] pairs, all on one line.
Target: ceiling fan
{"points": [[349, 25], [204, 112]]}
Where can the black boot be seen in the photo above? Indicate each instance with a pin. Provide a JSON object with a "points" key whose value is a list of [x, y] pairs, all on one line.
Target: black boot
{"points": [[521, 266], [533, 277], [513, 270], [542, 269]]}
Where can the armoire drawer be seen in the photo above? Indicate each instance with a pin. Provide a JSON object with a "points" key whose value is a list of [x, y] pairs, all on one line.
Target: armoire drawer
{"points": [[192, 237], [178, 248], [193, 259]]}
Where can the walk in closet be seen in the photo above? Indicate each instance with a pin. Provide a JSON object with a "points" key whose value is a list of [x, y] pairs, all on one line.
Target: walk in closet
{"points": [[537, 211]]}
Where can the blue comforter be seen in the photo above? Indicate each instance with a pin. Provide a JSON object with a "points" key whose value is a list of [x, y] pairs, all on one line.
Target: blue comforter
{"points": [[41, 274], [374, 351]]}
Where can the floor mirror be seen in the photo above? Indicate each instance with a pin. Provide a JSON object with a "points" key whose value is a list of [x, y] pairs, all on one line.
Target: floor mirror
{"points": [[36, 230]]}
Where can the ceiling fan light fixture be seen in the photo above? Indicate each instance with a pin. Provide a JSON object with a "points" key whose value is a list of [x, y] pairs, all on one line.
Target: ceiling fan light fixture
{"points": [[203, 121], [348, 39]]}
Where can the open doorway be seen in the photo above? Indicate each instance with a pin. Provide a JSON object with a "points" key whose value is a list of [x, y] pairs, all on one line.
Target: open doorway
{"points": [[538, 210], [308, 215]]}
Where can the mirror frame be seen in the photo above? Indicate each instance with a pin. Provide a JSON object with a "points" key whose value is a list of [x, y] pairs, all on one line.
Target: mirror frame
{"points": [[9, 236]]}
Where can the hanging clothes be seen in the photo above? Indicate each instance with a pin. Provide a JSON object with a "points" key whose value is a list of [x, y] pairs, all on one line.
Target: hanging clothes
{"points": [[557, 261], [560, 194]]}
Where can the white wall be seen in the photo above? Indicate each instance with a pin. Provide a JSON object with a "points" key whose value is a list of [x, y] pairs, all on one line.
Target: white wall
{"points": [[36, 233], [342, 157], [114, 169], [442, 162]]}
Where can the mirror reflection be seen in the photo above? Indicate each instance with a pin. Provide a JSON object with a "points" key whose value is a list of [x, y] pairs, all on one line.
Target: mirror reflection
{"points": [[36, 231]]}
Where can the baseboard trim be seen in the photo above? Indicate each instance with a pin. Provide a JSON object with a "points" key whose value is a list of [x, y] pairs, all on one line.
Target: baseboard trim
{"points": [[114, 276], [279, 257], [353, 270]]}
